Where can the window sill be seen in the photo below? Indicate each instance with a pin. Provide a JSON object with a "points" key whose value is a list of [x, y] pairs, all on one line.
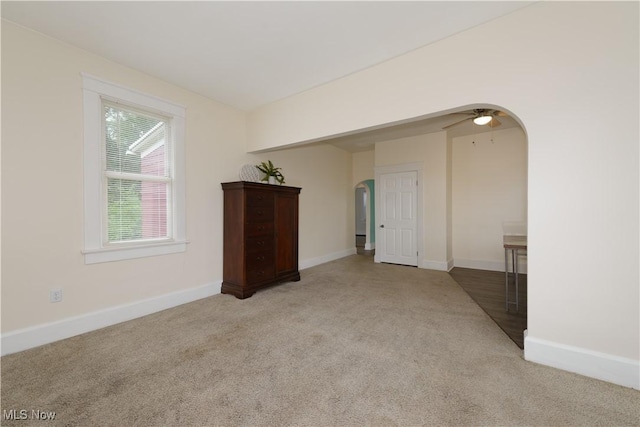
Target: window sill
{"points": [[95, 256]]}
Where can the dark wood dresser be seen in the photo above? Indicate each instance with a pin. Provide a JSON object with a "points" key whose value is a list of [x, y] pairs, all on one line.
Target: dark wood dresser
{"points": [[260, 236]]}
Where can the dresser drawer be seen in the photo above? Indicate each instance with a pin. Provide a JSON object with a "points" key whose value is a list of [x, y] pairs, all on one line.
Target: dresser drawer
{"points": [[260, 275], [255, 260], [259, 244], [259, 214], [254, 229], [260, 267], [259, 198]]}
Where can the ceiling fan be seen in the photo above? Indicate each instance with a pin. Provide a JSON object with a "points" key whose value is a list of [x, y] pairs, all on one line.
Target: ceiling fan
{"points": [[481, 116]]}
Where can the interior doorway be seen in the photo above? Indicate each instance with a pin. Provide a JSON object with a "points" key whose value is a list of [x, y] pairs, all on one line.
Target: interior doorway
{"points": [[399, 213], [361, 212], [398, 218], [365, 217]]}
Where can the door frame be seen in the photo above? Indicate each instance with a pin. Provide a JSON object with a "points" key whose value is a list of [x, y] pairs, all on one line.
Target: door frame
{"points": [[417, 167], [369, 243]]}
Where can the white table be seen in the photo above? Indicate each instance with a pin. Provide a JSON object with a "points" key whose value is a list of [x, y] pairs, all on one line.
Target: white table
{"points": [[518, 247]]}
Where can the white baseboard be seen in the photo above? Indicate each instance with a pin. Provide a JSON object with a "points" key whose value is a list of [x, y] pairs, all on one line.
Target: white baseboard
{"points": [[34, 336], [434, 265], [602, 366], [489, 265], [23, 339], [312, 262], [369, 246], [450, 264]]}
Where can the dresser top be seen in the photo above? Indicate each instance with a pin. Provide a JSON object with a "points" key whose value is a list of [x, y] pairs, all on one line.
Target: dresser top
{"points": [[258, 186]]}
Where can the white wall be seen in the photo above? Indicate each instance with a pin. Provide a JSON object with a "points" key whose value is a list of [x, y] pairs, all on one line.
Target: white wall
{"points": [[471, 185], [42, 187], [449, 201], [327, 209], [363, 166], [553, 65], [42, 220], [489, 187]]}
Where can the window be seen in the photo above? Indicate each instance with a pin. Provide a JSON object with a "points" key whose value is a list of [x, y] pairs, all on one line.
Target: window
{"points": [[133, 173], [137, 174]]}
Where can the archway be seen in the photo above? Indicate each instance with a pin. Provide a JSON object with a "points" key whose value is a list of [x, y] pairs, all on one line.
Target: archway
{"points": [[475, 182]]}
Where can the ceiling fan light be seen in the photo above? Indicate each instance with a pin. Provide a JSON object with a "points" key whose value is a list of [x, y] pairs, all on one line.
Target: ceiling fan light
{"points": [[482, 120]]}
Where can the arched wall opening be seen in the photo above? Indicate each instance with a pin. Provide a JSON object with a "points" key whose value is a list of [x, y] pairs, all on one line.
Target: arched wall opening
{"points": [[473, 190], [487, 192], [365, 216], [582, 174], [475, 180]]}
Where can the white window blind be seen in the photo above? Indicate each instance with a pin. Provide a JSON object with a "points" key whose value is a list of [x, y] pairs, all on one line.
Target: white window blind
{"points": [[134, 173], [137, 175]]}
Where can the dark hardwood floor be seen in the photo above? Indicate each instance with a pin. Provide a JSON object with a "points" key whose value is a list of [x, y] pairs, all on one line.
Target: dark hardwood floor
{"points": [[360, 241], [486, 288]]}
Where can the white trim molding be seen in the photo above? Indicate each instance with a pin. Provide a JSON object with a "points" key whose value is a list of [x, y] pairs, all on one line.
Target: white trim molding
{"points": [[602, 366], [129, 252], [450, 264], [489, 265], [433, 265], [95, 250], [24, 339]]}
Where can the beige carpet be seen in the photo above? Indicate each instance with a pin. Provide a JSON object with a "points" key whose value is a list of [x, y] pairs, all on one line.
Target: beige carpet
{"points": [[353, 343]]}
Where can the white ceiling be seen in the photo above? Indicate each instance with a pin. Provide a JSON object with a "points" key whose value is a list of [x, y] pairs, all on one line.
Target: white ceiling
{"points": [[247, 54]]}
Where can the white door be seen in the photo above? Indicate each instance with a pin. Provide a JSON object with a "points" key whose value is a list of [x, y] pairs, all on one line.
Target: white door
{"points": [[398, 225]]}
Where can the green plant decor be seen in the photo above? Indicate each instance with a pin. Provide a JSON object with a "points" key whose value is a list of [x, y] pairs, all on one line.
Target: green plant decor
{"points": [[268, 170]]}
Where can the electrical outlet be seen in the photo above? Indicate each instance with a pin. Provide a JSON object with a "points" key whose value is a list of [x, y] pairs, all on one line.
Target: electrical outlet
{"points": [[55, 295]]}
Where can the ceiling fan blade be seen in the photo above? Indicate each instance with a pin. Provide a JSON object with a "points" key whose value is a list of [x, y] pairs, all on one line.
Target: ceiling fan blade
{"points": [[500, 113], [457, 123], [494, 123]]}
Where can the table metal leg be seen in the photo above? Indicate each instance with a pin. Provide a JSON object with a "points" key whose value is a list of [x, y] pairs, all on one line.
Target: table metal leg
{"points": [[514, 264], [515, 244], [506, 279], [515, 271]]}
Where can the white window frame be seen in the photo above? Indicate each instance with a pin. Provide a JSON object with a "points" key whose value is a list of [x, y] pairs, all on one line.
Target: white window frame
{"points": [[96, 249]]}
